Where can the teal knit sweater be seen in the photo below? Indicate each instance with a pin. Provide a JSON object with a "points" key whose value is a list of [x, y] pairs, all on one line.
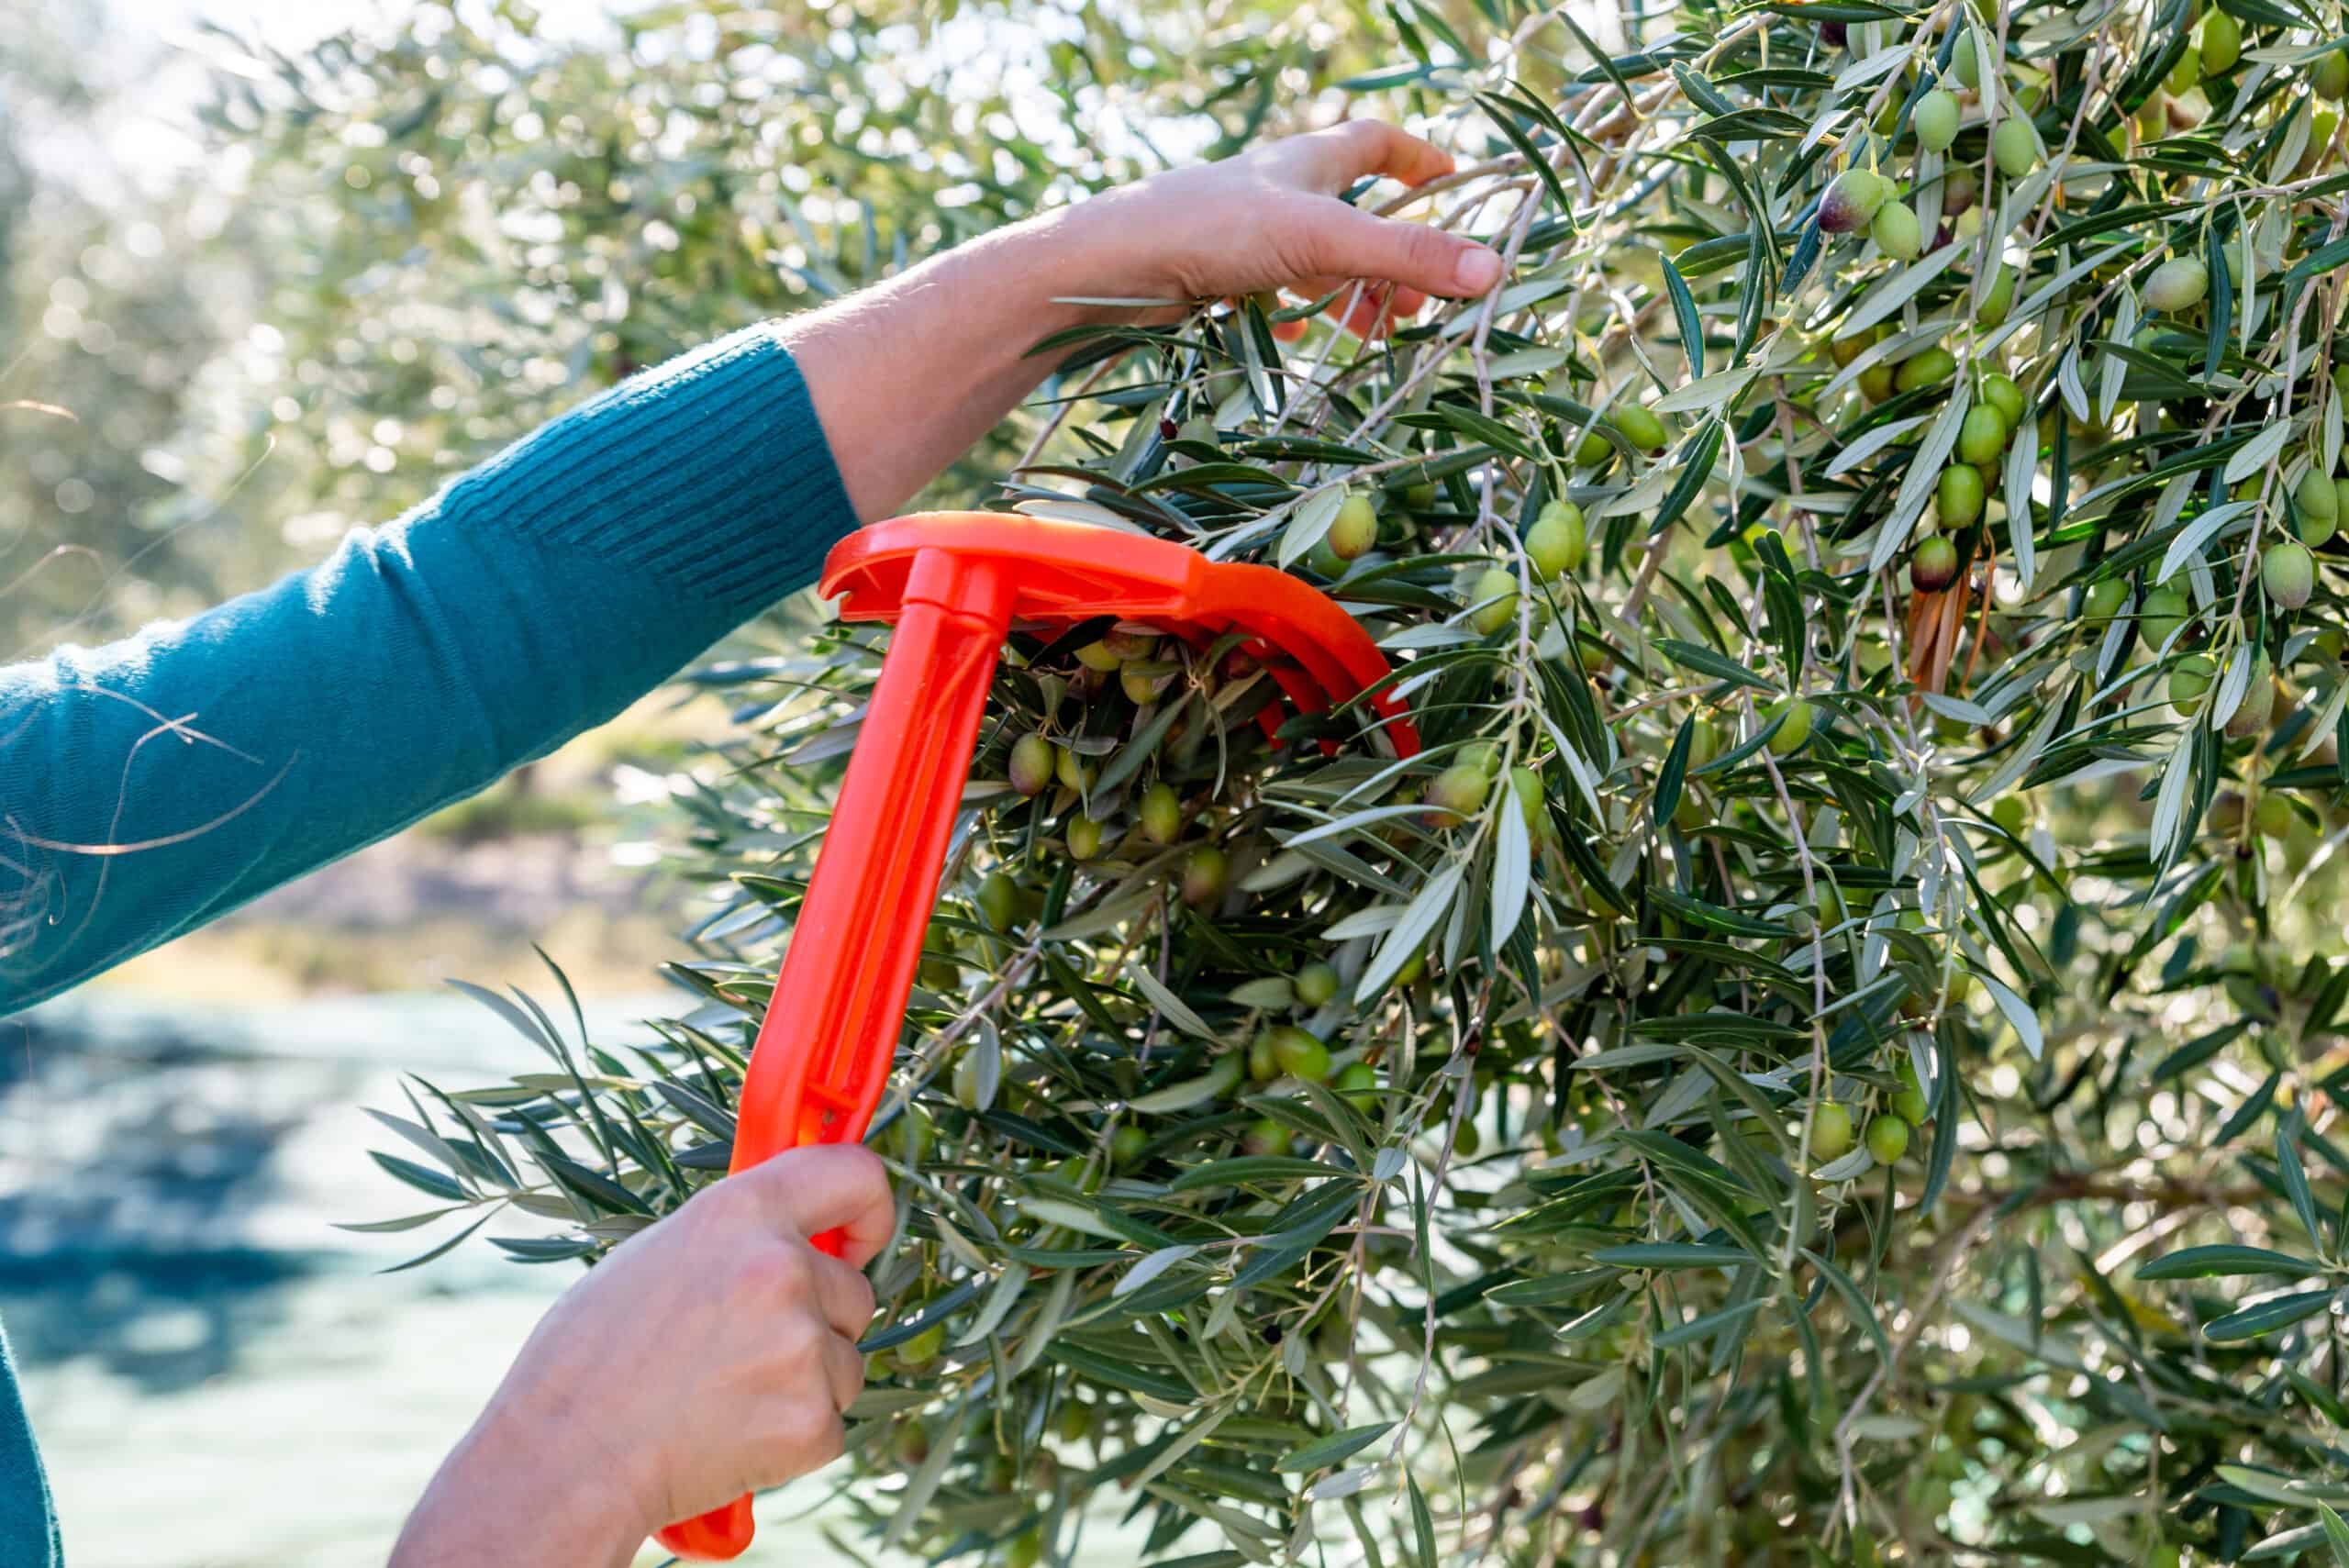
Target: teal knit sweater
{"points": [[151, 785]]}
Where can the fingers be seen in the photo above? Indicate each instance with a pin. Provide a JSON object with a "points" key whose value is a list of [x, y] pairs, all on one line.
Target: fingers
{"points": [[827, 1186], [1337, 238], [844, 1295], [1344, 153], [843, 1370]]}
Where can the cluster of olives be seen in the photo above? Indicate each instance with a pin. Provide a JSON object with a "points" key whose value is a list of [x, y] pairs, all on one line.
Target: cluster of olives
{"points": [[1888, 1130]]}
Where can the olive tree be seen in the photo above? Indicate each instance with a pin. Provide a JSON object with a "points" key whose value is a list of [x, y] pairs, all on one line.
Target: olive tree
{"points": [[1830, 1053]]}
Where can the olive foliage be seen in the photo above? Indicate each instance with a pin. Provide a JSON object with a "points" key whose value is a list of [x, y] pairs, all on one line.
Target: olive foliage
{"points": [[1831, 1052]]}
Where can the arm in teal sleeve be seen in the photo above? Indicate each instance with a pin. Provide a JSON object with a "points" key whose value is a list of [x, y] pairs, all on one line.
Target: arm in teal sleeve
{"points": [[151, 785]]}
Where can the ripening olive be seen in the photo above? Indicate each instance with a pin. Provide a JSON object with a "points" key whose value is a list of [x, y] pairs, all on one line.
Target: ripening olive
{"points": [[1264, 1136], [1128, 644], [1850, 202], [2258, 705], [1031, 764], [1932, 566]]}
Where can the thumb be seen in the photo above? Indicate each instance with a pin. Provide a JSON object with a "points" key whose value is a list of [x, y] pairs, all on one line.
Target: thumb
{"points": [[1347, 242], [827, 1186]]}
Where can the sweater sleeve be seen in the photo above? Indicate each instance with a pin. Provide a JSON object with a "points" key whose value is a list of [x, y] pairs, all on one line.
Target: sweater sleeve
{"points": [[150, 785]]}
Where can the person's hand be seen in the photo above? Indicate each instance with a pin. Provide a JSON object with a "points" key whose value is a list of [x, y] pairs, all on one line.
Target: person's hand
{"points": [[708, 1357], [1270, 220]]}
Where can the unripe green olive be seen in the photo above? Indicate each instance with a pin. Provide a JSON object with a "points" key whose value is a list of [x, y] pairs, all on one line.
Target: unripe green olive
{"points": [[1795, 731], [1959, 496], [2104, 599], [2273, 816], [1084, 837], [1072, 771], [2014, 146], [1558, 541], [923, 1349], [2329, 76], [1484, 754], [2000, 300], [1965, 65], [1877, 382], [1144, 681], [1315, 985], [1525, 785], [2185, 71], [2287, 572], [2316, 501], [1642, 428], [1354, 1081], [1097, 656], [1930, 367], [1072, 1420], [1263, 1066], [2189, 681], [1299, 1055], [1027, 1549], [1205, 870], [1592, 449], [1130, 645], [2001, 394], [1031, 764], [2178, 284], [1888, 1138], [1896, 232], [998, 900], [1355, 528], [1495, 598], [1126, 1144], [1161, 814], [2162, 613], [1984, 434], [1831, 1132], [2258, 705], [1264, 1136], [1460, 789], [2219, 43], [1935, 119]]}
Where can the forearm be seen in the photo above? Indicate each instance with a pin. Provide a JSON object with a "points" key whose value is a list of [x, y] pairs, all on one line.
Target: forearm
{"points": [[501, 1497], [909, 373]]}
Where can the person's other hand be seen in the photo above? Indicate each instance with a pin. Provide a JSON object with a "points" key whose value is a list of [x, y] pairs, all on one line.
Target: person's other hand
{"points": [[708, 1357], [1270, 220]]}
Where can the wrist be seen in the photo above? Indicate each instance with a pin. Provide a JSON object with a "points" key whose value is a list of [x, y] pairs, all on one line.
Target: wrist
{"points": [[514, 1490]]}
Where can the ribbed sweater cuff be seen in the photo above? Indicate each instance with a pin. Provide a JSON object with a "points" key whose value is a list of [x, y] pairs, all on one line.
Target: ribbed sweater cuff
{"points": [[710, 471]]}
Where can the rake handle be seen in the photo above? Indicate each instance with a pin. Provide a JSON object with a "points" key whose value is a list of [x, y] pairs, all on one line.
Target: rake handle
{"points": [[832, 1027]]}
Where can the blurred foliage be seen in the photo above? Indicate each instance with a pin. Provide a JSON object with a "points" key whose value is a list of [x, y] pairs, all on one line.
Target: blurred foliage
{"points": [[1832, 1054]]}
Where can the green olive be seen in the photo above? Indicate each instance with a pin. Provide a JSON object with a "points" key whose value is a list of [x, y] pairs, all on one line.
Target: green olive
{"points": [[1084, 837], [1494, 599], [1959, 496], [1355, 528], [1896, 232], [2014, 146], [1460, 789], [1642, 428], [1031, 764], [1998, 301], [2189, 681], [2178, 284], [2001, 394], [2104, 598], [1205, 871], [1558, 541], [1831, 1132], [998, 900], [2162, 613], [1932, 566], [1126, 1144], [1930, 367], [2329, 76], [1265, 1135], [1795, 731], [1984, 434], [2316, 503], [2287, 572], [1299, 1055], [1356, 1080], [1161, 813], [1316, 985], [1887, 1140], [1934, 119], [2219, 44]]}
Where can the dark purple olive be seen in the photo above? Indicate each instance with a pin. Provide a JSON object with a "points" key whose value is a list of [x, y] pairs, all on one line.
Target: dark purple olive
{"points": [[1831, 34], [1935, 565]]}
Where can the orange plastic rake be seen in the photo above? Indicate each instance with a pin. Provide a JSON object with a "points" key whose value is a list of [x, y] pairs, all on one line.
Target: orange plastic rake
{"points": [[954, 583]]}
